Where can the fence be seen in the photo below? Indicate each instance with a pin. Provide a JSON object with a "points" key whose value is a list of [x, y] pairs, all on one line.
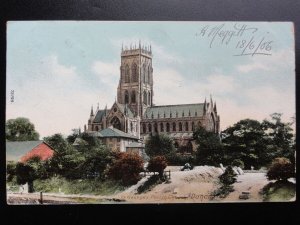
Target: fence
{"points": [[167, 173]]}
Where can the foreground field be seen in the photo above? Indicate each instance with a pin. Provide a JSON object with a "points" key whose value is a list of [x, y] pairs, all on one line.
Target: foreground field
{"points": [[195, 186]]}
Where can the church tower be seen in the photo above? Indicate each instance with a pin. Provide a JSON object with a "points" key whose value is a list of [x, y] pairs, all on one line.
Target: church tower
{"points": [[136, 78]]}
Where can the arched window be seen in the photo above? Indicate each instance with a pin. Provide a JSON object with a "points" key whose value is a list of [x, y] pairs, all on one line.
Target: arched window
{"points": [[145, 97], [186, 126], [174, 126], [126, 97], [133, 97], [127, 74], [131, 127], [155, 128], [145, 74], [168, 127], [149, 128], [193, 126], [161, 127], [116, 123], [97, 128], [149, 74], [180, 126], [149, 98], [134, 73], [144, 128]]}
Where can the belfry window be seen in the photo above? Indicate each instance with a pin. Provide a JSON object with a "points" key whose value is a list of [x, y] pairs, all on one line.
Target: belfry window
{"points": [[127, 74], [134, 73], [126, 96]]}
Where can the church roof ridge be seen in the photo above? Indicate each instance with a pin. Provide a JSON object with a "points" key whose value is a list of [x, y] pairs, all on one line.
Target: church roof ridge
{"points": [[189, 104]]}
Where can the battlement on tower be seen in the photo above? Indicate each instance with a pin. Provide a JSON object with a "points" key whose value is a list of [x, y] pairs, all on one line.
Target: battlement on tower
{"points": [[136, 50]]}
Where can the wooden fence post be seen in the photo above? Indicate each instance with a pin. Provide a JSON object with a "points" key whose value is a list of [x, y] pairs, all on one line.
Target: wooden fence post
{"points": [[41, 197]]}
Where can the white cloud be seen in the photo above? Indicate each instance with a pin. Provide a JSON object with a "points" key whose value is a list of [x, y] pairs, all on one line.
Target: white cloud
{"points": [[246, 68], [219, 84], [108, 73], [57, 101], [278, 61]]}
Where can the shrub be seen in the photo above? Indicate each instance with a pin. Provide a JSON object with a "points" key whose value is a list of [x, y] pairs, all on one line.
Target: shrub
{"points": [[178, 159], [127, 168], [238, 163], [157, 164], [281, 169], [10, 171], [228, 177]]}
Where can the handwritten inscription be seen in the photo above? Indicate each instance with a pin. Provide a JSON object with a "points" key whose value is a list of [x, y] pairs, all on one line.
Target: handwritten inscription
{"points": [[248, 40]]}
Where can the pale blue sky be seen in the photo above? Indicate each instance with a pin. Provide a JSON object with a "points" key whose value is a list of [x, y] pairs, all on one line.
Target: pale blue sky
{"points": [[59, 69]]}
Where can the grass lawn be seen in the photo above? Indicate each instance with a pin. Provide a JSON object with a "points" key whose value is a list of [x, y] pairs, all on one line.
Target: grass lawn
{"points": [[80, 186], [279, 191]]}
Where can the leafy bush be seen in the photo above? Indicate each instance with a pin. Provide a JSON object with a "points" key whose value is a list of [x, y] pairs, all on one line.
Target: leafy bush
{"points": [[157, 164], [281, 169], [238, 163], [127, 168], [10, 171], [175, 159], [228, 177]]}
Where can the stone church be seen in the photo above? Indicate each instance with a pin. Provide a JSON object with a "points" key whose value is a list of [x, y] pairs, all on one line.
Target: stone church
{"points": [[134, 112]]}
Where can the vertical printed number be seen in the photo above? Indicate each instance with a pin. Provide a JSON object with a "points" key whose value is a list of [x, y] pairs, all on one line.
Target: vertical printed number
{"points": [[12, 96]]}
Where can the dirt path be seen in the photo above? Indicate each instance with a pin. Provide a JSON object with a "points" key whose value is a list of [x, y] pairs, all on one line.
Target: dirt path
{"points": [[252, 182], [193, 186]]}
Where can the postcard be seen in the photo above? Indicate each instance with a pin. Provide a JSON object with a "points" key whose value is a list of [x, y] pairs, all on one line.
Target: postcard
{"points": [[116, 112]]}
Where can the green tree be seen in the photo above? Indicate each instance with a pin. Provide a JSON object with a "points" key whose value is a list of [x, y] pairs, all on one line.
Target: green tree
{"points": [[159, 144], [96, 160], [66, 160], [281, 142], [245, 140], [71, 138], [210, 150], [31, 170], [281, 169], [20, 129]]}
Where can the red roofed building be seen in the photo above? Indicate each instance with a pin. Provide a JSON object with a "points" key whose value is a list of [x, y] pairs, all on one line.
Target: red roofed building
{"points": [[25, 150]]}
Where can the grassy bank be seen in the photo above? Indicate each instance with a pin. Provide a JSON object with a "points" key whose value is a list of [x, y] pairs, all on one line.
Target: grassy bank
{"points": [[59, 184], [279, 191]]}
